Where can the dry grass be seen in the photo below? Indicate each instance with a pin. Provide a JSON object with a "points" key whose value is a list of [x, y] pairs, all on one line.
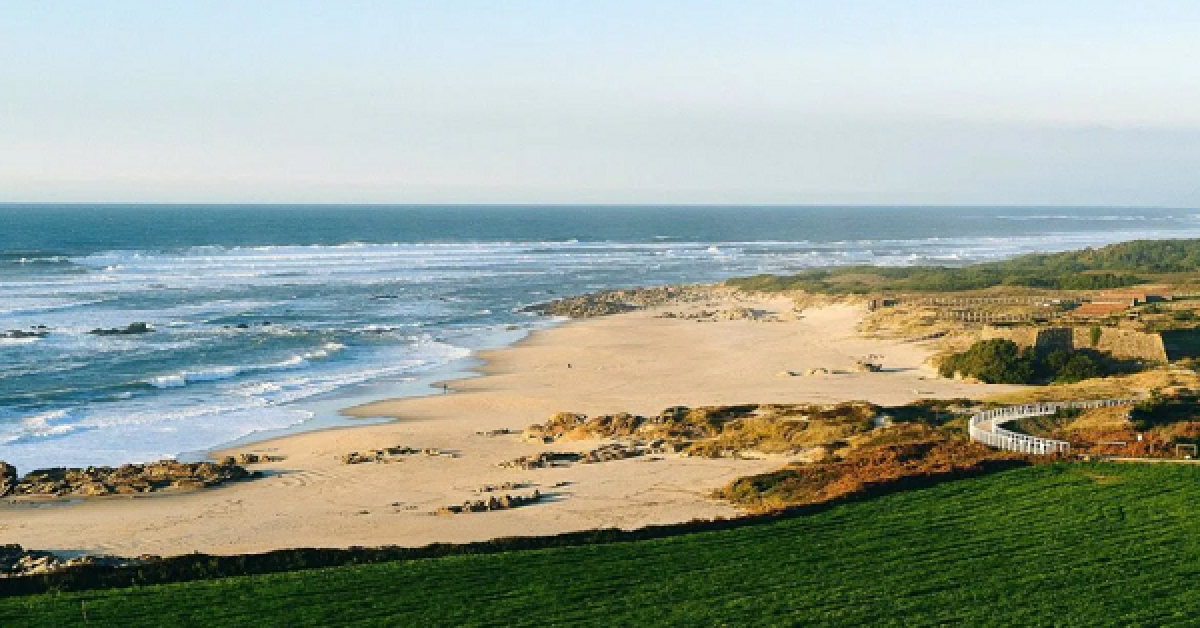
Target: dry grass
{"points": [[1118, 386], [1101, 419]]}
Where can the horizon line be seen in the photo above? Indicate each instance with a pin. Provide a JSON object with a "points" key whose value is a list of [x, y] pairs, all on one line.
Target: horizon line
{"points": [[631, 205]]}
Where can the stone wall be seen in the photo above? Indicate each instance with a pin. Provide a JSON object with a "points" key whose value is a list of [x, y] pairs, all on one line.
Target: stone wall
{"points": [[1121, 343]]}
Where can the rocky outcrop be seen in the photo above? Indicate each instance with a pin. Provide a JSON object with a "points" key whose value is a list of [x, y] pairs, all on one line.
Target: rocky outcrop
{"points": [[8, 478], [127, 479], [731, 314], [506, 486], [716, 430], [504, 431], [617, 301], [131, 329], [391, 454], [864, 366], [249, 458], [540, 461], [17, 334], [17, 561], [621, 451], [502, 502]]}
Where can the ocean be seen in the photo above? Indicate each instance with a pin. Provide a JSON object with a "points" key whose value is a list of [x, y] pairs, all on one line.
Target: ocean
{"points": [[267, 319]]}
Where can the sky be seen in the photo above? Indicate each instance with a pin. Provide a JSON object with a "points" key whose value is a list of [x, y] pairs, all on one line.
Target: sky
{"points": [[559, 101]]}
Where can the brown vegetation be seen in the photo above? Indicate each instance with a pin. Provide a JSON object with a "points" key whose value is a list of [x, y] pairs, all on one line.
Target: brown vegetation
{"points": [[866, 468], [717, 431]]}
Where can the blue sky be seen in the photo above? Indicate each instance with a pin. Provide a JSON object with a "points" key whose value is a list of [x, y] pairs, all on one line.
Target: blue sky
{"points": [[1089, 103]]}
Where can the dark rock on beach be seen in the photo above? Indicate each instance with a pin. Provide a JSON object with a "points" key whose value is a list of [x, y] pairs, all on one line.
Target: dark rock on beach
{"points": [[8, 478], [127, 479], [502, 502], [617, 301], [17, 561]]}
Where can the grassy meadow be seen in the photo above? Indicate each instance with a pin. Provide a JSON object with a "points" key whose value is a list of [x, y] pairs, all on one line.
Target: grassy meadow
{"points": [[1080, 544]]}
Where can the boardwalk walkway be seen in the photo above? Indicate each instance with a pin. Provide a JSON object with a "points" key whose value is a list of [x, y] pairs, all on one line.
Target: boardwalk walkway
{"points": [[984, 427]]}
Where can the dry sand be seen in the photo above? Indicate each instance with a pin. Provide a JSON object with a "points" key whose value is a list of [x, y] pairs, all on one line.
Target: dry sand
{"points": [[633, 362]]}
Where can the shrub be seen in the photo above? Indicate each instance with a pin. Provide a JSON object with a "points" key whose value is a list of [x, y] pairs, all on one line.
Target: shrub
{"points": [[993, 361], [1001, 361]]}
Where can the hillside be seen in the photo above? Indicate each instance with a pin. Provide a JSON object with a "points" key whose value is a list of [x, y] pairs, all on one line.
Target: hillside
{"points": [[1056, 544], [1113, 266]]}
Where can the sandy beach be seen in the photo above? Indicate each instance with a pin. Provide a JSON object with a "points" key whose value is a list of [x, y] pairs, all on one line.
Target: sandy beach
{"points": [[639, 362]]}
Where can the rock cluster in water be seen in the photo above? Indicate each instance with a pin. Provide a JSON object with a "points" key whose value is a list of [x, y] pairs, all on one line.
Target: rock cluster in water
{"points": [[128, 479], [131, 329], [502, 502], [17, 334], [617, 301]]}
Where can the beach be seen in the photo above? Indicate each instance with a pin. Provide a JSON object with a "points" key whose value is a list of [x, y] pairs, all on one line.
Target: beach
{"points": [[639, 362]]}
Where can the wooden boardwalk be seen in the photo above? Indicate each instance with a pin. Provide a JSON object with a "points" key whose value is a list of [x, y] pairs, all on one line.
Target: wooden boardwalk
{"points": [[984, 427]]}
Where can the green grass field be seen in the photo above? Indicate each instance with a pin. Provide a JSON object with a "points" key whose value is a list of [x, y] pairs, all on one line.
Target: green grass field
{"points": [[1087, 544]]}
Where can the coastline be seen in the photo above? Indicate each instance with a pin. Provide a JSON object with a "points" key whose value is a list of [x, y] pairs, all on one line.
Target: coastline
{"points": [[633, 362]]}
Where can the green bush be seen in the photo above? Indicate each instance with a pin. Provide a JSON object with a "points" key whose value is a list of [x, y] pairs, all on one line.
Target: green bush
{"points": [[1001, 361], [1160, 410]]}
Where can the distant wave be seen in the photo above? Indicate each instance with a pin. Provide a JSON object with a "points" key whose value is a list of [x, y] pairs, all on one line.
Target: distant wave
{"points": [[14, 306], [217, 373], [1084, 217]]}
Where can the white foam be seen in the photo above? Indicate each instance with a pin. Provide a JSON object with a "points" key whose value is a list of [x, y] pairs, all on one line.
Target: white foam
{"points": [[39, 426], [217, 373]]}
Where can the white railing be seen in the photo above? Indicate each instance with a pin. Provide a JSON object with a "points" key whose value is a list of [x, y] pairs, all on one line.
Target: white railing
{"points": [[984, 427]]}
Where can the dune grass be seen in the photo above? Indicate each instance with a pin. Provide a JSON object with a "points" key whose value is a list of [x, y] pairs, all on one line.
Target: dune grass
{"points": [[1064, 544]]}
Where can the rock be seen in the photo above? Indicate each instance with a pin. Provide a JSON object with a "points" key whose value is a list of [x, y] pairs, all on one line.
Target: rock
{"points": [[8, 478], [92, 489], [16, 334], [503, 502], [540, 461], [127, 479], [17, 561], [250, 458], [614, 451], [863, 366], [131, 329], [617, 301], [387, 454], [500, 432], [507, 486]]}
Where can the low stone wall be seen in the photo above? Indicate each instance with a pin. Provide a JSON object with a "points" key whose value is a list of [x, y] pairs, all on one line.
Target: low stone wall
{"points": [[1121, 343]]}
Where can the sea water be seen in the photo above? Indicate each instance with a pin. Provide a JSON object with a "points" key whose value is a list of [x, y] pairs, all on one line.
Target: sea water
{"points": [[268, 318]]}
